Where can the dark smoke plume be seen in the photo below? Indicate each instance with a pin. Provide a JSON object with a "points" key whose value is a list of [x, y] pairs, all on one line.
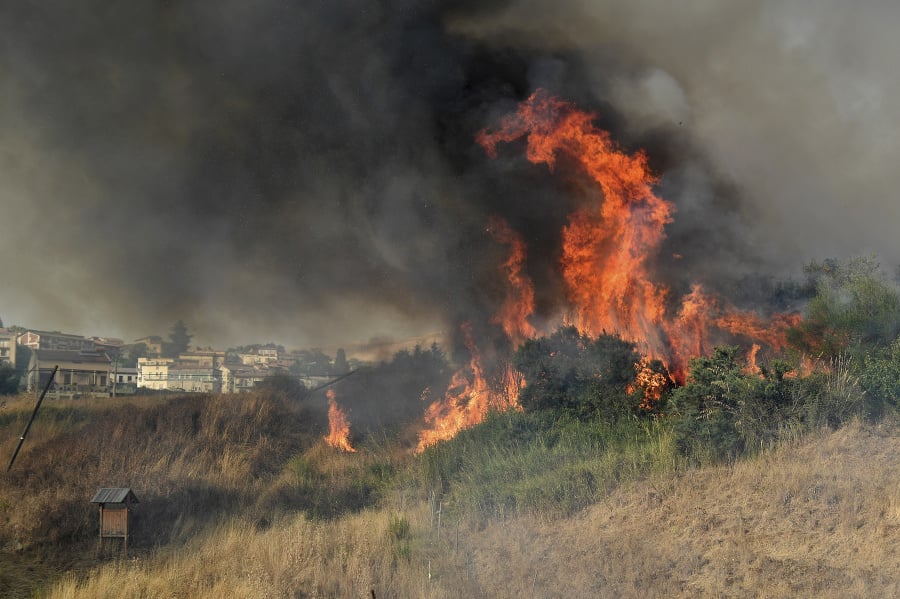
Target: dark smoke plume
{"points": [[306, 172]]}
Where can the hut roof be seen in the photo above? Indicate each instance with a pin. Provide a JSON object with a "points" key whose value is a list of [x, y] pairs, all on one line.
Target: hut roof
{"points": [[114, 495]]}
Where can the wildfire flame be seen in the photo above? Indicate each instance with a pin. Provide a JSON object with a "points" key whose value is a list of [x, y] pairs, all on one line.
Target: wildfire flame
{"points": [[468, 399], [519, 301], [338, 426], [606, 246], [607, 243]]}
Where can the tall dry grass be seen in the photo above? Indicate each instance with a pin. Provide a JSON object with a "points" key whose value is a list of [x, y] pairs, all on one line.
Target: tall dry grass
{"points": [[817, 517], [187, 458], [350, 557]]}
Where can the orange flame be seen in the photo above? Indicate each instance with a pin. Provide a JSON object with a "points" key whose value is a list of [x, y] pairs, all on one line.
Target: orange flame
{"points": [[605, 249], [469, 397], [752, 367], [652, 383], [467, 400], [519, 301], [607, 243], [338, 426]]}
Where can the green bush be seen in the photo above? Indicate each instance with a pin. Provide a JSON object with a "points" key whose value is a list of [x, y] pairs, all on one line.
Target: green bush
{"points": [[855, 309], [723, 412], [580, 376], [880, 376]]}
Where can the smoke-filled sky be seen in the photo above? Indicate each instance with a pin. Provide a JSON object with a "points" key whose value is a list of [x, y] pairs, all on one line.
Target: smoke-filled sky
{"points": [[306, 172]]}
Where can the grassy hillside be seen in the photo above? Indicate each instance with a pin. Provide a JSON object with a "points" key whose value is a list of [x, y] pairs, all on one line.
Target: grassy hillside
{"points": [[240, 498], [192, 460], [817, 519]]}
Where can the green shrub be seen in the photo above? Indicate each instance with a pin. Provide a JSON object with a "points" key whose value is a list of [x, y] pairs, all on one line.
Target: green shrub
{"points": [[722, 412], [880, 376], [580, 376]]}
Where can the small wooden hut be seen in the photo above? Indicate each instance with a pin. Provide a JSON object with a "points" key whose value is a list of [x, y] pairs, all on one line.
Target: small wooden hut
{"points": [[115, 513]]}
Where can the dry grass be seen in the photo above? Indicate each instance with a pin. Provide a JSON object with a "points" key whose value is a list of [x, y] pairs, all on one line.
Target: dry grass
{"points": [[816, 518], [350, 557], [191, 459]]}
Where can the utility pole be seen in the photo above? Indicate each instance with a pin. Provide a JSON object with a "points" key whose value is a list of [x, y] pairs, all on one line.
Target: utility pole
{"points": [[33, 414]]}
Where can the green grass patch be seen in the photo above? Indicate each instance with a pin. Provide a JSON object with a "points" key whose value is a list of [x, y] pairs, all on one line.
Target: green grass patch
{"points": [[531, 462]]}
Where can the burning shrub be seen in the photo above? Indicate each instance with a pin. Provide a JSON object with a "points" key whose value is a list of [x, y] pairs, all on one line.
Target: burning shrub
{"points": [[582, 376], [724, 410]]}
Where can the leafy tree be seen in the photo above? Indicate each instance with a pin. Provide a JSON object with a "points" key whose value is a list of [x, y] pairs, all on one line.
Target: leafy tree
{"points": [[855, 309], [179, 339], [9, 380], [389, 395], [340, 363], [576, 374]]}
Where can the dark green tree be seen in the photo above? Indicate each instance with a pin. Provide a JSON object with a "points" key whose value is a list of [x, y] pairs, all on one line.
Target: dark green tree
{"points": [[9, 380], [340, 363], [179, 338], [855, 309]]}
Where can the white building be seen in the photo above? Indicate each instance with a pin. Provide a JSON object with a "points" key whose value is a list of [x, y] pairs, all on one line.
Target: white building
{"points": [[153, 373]]}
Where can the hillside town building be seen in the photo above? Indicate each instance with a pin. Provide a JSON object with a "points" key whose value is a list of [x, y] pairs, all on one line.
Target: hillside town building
{"points": [[153, 373], [35, 340], [7, 347], [261, 355], [95, 365], [79, 371]]}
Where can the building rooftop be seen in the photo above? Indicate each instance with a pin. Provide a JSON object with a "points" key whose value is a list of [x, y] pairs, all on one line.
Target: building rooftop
{"points": [[114, 495], [71, 355]]}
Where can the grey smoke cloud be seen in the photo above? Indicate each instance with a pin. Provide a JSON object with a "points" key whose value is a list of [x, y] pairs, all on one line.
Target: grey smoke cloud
{"points": [[306, 173]]}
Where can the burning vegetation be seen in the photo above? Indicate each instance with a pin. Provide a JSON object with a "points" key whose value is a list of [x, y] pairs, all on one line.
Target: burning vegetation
{"points": [[338, 425], [607, 247]]}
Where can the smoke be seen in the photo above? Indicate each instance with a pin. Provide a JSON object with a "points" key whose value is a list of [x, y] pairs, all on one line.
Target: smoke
{"points": [[306, 172]]}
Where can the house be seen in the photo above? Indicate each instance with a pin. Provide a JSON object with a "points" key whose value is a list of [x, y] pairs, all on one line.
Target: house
{"points": [[153, 373], [7, 347], [195, 379], [79, 371], [261, 355], [55, 340], [110, 345], [123, 375], [239, 378], [205, 358], [191, 371]]}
